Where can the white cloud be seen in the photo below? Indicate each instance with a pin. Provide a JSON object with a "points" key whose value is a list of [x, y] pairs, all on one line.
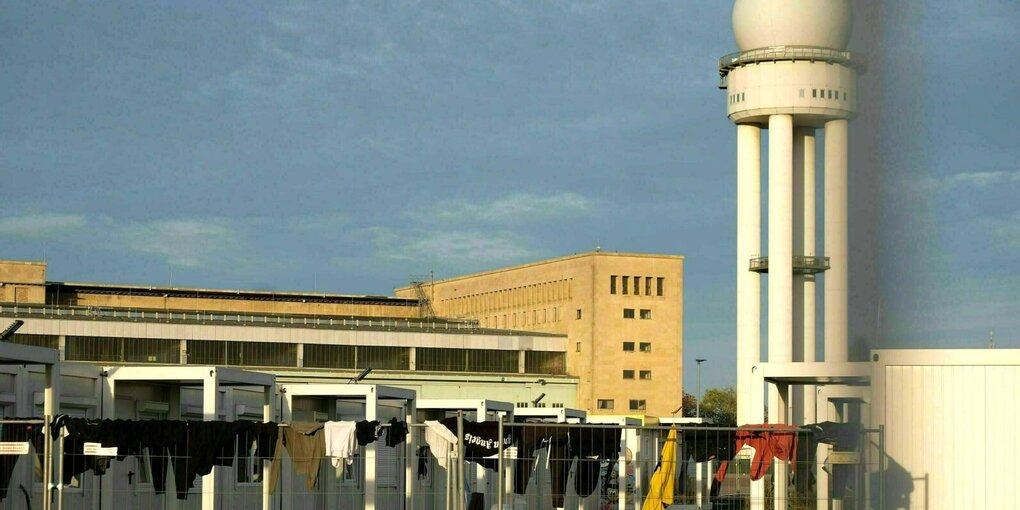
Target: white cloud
{"points": [[474, 248], [962, 180], [983, 178], [513, 208], [40, 225], [183, 242]]}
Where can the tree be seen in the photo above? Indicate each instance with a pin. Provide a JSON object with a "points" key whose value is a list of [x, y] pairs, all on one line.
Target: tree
{"points": [[720, 404], [690, 405]]}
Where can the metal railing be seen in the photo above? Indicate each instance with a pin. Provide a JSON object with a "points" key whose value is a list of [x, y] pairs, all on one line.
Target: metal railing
{"points": [[777, 53], [802, 264], [253, 319]]}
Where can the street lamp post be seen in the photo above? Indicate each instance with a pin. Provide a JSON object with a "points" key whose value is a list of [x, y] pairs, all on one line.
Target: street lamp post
{"points": [[698, 408]]}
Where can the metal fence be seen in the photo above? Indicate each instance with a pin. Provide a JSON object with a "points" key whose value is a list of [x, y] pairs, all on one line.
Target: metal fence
{"points": [[603, 467], [256, 319]]}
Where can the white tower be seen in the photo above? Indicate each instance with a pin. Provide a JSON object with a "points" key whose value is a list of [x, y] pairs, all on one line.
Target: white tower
{"points": [[793, 77]]}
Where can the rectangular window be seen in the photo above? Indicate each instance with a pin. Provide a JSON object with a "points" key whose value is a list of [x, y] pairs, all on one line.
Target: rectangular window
{"points": [[628, 374], [612, 284], [648, 285], [578, 314], [814, 92], [637, 405], [659, 283], [830, 94], [578, 346], [628, 347], [801, 92], [637, 285], [646, 314], [646, 347], [626, 284], [844, 96], [628, 313], [646, 375], [606, 403]]}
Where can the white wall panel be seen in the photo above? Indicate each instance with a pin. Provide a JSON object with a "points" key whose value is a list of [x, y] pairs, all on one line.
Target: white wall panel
{"points": [[951, 426]]}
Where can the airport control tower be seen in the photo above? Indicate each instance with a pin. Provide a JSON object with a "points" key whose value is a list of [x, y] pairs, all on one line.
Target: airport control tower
{"points": [[793, 77]]}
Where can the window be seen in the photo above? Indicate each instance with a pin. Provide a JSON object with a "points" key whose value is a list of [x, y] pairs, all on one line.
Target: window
{"points": [[830, 94], [801, 92], [578, 346], [626, 284], [814, 92], [628, 347], [628, 374], [628, 313], [844, 96], [637, 285], [646, 375], [658, 285], [646, 347], [578, 314], [646, 314], [606, 403], [648, 285], [612, 284], [637, 405]]}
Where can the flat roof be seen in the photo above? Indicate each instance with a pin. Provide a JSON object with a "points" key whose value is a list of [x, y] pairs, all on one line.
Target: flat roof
{"points": [[238, 294], [550, 261]]}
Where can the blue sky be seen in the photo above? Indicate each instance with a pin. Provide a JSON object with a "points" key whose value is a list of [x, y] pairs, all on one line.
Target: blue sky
{"points": [[344, 146]]}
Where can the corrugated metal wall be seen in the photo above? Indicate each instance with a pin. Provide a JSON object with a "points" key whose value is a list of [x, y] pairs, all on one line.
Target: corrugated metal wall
{"points": [[951, 436]]}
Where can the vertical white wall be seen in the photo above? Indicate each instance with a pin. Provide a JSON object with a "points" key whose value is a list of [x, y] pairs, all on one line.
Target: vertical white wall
{"points": [[836, 348], [950, 421], [748, 246]]}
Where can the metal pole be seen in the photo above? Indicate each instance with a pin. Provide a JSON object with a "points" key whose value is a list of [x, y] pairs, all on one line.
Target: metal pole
{"points": [[499, 466], [48, 458], [881, 466], [698, 400], [460, 461]]}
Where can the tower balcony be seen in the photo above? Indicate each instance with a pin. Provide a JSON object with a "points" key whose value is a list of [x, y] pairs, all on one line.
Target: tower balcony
{"points": [[802, 264]]}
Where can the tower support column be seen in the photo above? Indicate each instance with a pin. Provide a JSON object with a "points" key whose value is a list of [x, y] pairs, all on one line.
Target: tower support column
{"points": [[748, 283], [803, 284], [780, 250], [780, 247], [836, 348]]}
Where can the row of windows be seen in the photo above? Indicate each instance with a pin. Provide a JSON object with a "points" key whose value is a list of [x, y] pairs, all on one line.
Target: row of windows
{"points": [[635, 405], [644, 313], [523, 296], [644, 346], [645, 375], [626, 287], [815, 93], [276, 354], [522, 319], [824, 94]]}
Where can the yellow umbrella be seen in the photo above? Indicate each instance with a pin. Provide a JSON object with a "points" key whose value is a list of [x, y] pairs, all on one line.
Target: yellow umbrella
{"points": [[660, 489]]}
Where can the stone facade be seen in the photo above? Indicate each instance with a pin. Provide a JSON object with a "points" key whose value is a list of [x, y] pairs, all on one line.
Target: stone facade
{"points": [[622, 314]]}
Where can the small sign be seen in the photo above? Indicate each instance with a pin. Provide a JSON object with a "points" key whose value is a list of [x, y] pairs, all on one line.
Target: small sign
{"points": [[98, 450], [13, 448], [844, 458]]}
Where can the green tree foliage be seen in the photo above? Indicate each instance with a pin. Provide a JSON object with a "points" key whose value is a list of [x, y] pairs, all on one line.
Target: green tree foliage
{"points": [[720, 404], [690, 405]]}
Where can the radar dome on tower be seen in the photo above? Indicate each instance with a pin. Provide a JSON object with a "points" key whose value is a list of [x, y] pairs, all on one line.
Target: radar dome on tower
{"points": [[766, 23]]}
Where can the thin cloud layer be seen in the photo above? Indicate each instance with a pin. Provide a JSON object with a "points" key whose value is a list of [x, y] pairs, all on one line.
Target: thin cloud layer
{"points": [[183, 242], [513, 208], [40, 225]]}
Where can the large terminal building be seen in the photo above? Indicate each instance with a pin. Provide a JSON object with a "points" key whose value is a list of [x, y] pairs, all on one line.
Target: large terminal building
{"points": [[600, 331]]}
